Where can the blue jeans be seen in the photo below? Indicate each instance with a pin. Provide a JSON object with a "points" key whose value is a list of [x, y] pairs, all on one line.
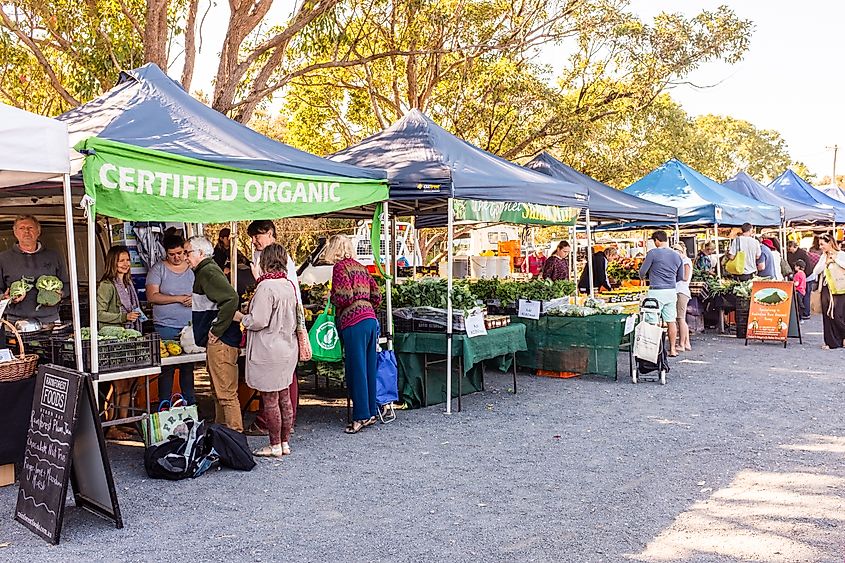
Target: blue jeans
{"points": [[186, 371], [359, 344]]}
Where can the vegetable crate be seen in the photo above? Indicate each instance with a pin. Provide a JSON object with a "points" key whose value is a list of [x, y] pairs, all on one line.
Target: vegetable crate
{"points": [[114, 355]]}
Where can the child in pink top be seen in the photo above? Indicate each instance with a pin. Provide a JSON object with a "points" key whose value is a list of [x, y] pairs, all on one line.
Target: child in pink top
{"points": [[800, 281]]}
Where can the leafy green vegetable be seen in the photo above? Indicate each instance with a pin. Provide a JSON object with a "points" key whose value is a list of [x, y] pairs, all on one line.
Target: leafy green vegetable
{"points": [[48, 297], [49, 283], [20, 287], [431, 292]]}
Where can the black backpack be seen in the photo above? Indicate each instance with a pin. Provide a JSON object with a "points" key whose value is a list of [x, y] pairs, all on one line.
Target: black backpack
{"points": [[231, 447], [180, 457]]}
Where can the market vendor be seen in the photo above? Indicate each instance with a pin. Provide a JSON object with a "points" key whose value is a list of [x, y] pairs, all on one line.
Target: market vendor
{"points": [[600, 279], [557, 265], [20, 269]]}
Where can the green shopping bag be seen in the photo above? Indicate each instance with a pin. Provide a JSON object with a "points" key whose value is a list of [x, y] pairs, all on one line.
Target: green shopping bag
{"points": [[171, 414], [324, 338]]}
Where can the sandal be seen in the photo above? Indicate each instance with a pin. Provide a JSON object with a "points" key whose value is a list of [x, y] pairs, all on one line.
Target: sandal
{"points": [[266, 451], [355, 427], [285, 449], [370, 421]]}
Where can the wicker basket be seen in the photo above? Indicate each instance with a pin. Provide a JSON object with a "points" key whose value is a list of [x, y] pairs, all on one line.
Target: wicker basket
{"points": [[22, 367]]}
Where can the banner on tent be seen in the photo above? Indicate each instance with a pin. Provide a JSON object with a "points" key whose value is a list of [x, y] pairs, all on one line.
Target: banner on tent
{"points": [[138, 184], [513, 212]]}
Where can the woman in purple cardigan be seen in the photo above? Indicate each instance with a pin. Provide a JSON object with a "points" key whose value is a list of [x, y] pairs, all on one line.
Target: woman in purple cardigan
{"points": [[355, 296]]}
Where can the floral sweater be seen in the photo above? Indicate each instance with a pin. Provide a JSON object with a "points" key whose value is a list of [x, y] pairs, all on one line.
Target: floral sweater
{"points": [[355, 293]]}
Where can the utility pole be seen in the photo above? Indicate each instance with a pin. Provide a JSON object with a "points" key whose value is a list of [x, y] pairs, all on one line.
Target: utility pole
{"points": [[833, 178]]}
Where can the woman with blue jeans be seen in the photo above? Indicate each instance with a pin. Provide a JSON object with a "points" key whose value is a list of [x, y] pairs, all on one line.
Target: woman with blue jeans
{"points": [[356, 295], [169, 288]]}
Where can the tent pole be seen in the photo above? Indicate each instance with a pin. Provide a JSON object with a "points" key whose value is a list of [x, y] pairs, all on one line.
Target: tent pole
{"points": [[449, 268], [677, 233], [718, 260], [388, 282], [73, 273], [590, 255], [233, 254], [416, 250], [573, 253], [92, 294]]}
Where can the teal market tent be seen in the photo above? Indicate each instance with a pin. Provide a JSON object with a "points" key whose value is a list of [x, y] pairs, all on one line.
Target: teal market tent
{"points": [[793, 211], [792, 186], [701, 200]]}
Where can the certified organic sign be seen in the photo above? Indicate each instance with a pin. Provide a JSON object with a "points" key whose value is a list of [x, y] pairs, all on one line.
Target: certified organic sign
{"points": [[138, 184]]}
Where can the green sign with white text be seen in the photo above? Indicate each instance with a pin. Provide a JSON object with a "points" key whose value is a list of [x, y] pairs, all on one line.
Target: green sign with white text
{"points": [[513, 212], [138, 184]]}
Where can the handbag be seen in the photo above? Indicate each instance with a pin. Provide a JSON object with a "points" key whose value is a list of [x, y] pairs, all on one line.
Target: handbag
{"points": [[647, 341], [324, 337], [305, 352], [162, 424], [736, 265], [834, 275]]}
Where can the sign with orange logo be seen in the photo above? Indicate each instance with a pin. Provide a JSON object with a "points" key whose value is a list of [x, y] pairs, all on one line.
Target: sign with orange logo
{"points": [[771, 306]]}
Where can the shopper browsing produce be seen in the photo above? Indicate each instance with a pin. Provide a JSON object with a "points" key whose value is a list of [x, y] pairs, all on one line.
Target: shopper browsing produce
{"points": [[830, 272], [663, 268], [214, 304], [356, 295], [272, 349]]}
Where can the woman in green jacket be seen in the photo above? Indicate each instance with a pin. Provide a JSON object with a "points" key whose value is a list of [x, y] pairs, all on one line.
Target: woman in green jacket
{"points": [[118, 305]]}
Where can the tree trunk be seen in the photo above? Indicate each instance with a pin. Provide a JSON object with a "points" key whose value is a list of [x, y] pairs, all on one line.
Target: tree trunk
{"points": [[190, 46], [155, 33]]}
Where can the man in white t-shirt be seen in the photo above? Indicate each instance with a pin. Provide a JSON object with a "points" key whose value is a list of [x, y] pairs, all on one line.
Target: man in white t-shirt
{"points": [[746, 243], [263, 234]]}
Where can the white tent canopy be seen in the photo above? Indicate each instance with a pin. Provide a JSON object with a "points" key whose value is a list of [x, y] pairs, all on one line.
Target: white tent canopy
{"points": [[32, 147]]}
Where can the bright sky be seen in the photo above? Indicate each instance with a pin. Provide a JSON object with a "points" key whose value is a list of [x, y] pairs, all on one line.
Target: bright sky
{"points": [[789, 80]]}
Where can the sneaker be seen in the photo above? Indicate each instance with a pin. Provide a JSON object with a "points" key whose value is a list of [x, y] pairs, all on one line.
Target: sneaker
{"points": [[255, 430]]}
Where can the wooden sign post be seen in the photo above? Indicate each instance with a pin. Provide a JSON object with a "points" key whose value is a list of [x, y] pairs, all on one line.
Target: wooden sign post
{"points": [[772, 308], [65, 443]]}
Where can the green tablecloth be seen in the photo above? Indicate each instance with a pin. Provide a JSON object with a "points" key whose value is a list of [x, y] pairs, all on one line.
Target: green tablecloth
{"points": [[576, 344], [496, 348]]}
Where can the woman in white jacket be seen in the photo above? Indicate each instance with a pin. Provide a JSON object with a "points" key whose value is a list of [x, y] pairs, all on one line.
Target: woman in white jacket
{"points": [[272, 348], [832, 262]]}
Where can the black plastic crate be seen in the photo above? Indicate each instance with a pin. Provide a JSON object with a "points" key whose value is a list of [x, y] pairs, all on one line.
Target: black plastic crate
{"points": [[114, 355]]}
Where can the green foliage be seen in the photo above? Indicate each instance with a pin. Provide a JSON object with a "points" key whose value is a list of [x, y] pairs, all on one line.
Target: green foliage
{"points": [[432, 292]]}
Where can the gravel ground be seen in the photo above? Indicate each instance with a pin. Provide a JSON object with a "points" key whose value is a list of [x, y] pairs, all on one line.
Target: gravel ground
{"points": [[739, 457]]}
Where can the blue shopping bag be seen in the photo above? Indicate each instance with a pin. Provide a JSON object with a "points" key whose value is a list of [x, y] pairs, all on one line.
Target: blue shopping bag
{"points": [[387, 375]]}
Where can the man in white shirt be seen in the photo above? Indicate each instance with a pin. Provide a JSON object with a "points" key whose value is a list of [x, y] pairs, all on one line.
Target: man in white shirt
{"points": [[746, 243]]}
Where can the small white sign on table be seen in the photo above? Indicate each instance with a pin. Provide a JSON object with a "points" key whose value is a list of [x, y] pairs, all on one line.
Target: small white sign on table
{"points": [[630, 323], [474, 323], [529, 309]]}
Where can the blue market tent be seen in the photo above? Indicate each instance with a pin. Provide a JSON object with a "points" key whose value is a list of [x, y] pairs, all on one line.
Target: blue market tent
{"points": [[606, 202], [793, 212], [149, 109], [792, 186], [426, 162], [699, 199]]}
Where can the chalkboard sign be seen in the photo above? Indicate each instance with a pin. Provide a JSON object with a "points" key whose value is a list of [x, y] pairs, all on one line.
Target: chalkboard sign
{"points": [[65, 442]]}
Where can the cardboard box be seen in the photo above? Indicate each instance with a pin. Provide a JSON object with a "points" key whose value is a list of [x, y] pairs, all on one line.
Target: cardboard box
{"points": [[7, 475]]}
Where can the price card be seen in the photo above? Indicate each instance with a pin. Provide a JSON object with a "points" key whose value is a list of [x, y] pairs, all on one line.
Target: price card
{"points": [[474, 324], [3, 304], [529, 309], [630, 322]]}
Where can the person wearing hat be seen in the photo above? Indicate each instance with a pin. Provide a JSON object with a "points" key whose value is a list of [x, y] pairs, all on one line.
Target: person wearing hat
{"points": [[773, 268]]}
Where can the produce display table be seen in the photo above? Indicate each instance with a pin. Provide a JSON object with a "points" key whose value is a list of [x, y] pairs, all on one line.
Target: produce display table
{"points": [[573, 344], [15, 407], [413, 349]]}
